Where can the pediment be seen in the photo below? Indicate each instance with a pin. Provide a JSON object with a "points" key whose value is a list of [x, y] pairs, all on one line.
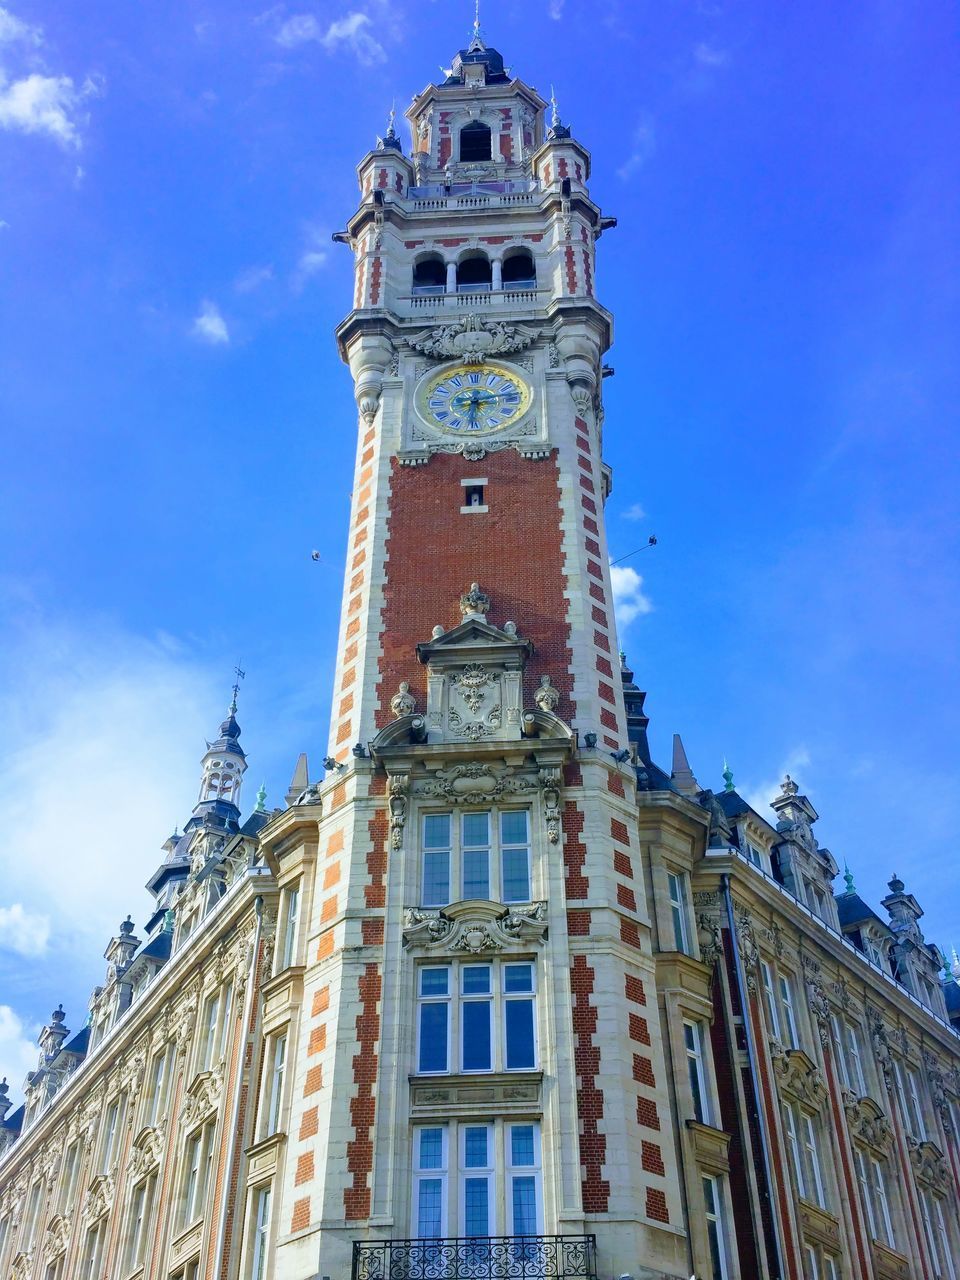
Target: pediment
{"points": [[867, 1122], [929, 1165], [476, 926], [475, 640], [798, 1076], [203, 1094]]}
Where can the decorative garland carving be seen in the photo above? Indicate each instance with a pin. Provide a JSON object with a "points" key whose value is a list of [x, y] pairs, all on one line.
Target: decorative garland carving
{"points": [[203, 1094], [867, 1122], [399, 785], [798, 1075], [929, 1165], [474, 450], [147, 1150], [474, 783], [549, 779], [749, 952], [98, 1199], [478, 931], [472, 338], [56, 1238]]}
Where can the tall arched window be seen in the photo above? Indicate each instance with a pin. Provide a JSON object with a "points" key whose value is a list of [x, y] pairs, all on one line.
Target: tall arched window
{"points": [[474, 274], [429, 275], [519, 271], [474, 142]]}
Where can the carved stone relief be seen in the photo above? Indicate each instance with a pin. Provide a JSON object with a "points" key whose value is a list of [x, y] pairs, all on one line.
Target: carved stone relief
{"points": [[472, 338], [798, 1075], [399, 785], [867, 1122], [478, 932]]}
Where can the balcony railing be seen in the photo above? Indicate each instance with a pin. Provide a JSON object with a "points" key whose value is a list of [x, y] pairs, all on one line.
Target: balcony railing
{"points": [[477, 1258], [508, 296]]}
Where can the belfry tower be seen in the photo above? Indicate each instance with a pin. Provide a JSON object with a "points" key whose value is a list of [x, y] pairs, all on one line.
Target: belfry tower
{"points": [[482, 1054]]}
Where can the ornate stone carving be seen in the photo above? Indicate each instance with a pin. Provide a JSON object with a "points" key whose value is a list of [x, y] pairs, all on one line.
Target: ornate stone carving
{"points": [[798, 1075], [929, 1164], [56, 1237], [749, 952], [867, 1122], [546, 696], [819, 1006], [709, 938], [403, 703], [147, 1150], [881, 1046], [98, 1199], [473, 450], [937, 1085], [474, 603], [480, 927], [474, 783], [473, 681], [472, 338], [549, 779], [583, 401], [842, 992], [399, 785], [203, 1095]]}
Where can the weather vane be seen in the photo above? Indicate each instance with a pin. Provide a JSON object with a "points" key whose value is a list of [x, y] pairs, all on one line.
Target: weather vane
{"points": [[238, 676]]}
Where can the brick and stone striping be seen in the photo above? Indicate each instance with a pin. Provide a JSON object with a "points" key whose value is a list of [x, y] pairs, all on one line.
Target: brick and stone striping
{"points": [[593, 1143], [356, 1197]]}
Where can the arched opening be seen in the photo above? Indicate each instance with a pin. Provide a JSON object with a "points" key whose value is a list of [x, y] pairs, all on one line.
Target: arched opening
{"points": [[474, 275], [475, 142], [519, 271], [429, 275]]}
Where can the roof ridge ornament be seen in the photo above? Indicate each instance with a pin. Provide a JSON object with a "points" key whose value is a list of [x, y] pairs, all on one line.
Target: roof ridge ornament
{"points": [[475, 603]]}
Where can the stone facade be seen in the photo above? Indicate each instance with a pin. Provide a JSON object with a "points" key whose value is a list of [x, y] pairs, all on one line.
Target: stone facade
{"points": [[497, 995]]}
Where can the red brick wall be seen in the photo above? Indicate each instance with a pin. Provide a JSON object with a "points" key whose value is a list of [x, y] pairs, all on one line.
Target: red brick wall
{"points": [[514, 552], [593, 1144], [356, 1198]]}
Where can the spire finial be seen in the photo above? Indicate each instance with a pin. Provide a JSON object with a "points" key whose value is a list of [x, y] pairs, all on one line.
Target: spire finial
{"points": [[848, 879], [476, 36], [727, 776], [261, 806], [955, 967], [238, 676], [554, 109]]}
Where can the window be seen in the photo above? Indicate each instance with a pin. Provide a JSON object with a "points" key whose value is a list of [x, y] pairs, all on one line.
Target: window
{"points": [[430, 276], [54, 1269], [678, 910], [476, 855], [497, 1189], [32, 1216], [475, 142], [4, 1233], [278, 1060], [519, 271], [804, 1154], [291, 912], [873, 1193], [753, 854], [261, 1233], [190, 1272], [908, 1095], [160, 1072], [778, 998], [216, 1027], [938, 1237], [694, 1042], [141, 1213], [196, 1172], [476, 1017], [819, 1265], [111, 1130], [716, 1234], [474, 274], [849, 1056], [92, 1254]]}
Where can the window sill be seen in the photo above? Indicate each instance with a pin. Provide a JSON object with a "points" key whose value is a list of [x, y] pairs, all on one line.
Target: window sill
{"points": [[819, 1225], [467, 511], [888, 1264], [710, 1147], [503, 1091]]}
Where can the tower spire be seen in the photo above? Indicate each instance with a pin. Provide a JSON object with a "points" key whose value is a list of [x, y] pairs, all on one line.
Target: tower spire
{"points": [[557, 128], [238, 676], [476, 41]]}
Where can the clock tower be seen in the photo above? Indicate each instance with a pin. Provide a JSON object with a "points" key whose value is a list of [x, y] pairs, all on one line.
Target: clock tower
{"points": [[482, 1047]]}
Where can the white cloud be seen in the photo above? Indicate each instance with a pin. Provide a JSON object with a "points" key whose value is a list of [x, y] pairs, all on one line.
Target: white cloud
{"points": [[314, 256], [555, 9], [209, 325], [18, 1054], [22, 931], [643, 146], [45, 104], [636, 512], [760, 795], [629, 601], [251, 279], [88, 732], [14, 29], [709, 55], [351, 32]]}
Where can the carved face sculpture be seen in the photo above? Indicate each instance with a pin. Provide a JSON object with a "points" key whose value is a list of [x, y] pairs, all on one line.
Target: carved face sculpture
{"points": [[466, 400]]}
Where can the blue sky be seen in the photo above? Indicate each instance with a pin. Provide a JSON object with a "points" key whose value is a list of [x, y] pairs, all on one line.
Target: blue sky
{"points": [[178, 431]]}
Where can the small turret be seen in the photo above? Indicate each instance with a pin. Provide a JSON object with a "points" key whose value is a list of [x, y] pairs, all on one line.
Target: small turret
{"points": [[52, 1036]]}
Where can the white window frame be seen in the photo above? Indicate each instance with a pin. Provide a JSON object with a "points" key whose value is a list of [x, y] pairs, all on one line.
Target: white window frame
{"points": [[92, 1255], [715, 1218], [770, 999], [485, 1173], [434, 1174], [291, 927], [497, 998], [142, 1199], [785, 988], [697, 1070], [196, 1172], [32, 1216], [275, 1080], [456, 850], [753, 854], [849, 1055], [804, 1147], [111, 1126], [678, 897], [261, 1203]]}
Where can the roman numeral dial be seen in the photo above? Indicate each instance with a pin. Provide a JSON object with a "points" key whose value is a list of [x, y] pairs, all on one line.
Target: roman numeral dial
{"points": [[469, 400]]}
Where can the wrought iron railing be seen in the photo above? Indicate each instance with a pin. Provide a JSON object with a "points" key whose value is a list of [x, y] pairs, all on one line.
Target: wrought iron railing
{"points": [[477, 1258]]}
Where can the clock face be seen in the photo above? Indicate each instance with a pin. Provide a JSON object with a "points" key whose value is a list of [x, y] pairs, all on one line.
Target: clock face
{"points": [[471, 400]]}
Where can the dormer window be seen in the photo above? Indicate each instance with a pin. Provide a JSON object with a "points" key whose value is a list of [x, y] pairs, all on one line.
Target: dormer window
{"points": [[475, 143]]}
